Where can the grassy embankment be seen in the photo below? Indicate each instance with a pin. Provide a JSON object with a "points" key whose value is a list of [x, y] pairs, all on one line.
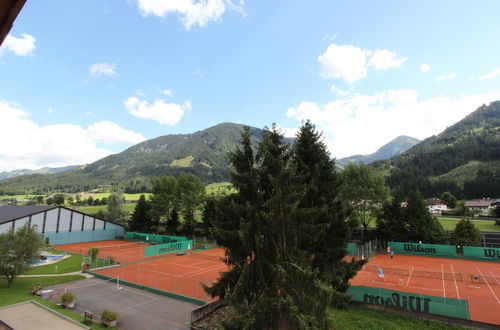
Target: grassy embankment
{"points": [[21, 291], [356, 318], [482, 225], [68, 265]]}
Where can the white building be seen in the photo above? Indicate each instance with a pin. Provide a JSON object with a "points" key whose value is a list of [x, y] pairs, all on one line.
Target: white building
{"points": [[58, 223]]}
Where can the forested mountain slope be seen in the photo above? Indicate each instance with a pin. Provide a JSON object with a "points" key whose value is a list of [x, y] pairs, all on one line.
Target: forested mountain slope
{"points": [[463, 159], [203, 153]]}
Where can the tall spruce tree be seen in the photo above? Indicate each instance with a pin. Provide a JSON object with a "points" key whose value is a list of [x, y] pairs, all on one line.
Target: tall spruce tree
{"points": [[273, 277], [141, 218], [322, 220]]}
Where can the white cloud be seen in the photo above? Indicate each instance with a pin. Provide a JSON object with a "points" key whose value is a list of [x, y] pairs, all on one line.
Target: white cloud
{"points": [[346, 61], [339, 91], [360, 124], [159, 111], [167, 92], [107, 69], [191, 12], [33, 146], [493, 74], [20, 46], [425, 67], [446, 77], [383, 60], [50, 110], [109, 132], [287, 132], [351, 63]]}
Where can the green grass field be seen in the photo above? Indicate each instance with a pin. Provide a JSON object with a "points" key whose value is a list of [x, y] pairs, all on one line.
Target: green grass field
{"points": [[68, 265], [21, 291], [356, 318], [220, 188], [18, 197], [94, 209], [482, 225]]}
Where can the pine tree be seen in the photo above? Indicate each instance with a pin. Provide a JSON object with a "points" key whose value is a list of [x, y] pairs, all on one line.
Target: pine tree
{"points": [[466, 234], [272, 282], [322, 219], [421, 225], [173, 222], [141, 218]]}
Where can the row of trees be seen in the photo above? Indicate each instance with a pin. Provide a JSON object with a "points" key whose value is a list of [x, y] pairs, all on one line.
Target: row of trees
{"points": [[171, 198]]}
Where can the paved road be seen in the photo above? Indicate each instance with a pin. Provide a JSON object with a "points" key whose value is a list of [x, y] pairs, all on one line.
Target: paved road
{"points": [[137, 309]]}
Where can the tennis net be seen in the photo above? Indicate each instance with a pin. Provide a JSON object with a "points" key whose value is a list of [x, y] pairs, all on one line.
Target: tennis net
{"points": [[403, 271], [118, 247]]}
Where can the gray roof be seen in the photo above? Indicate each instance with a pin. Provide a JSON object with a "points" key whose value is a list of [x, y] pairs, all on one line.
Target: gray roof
{"points": [[12, 212]]}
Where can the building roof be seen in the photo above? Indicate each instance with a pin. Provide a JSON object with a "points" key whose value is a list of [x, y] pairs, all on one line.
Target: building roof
{"points": [[486, 202], [435, 202], [9, 9], [12, 212]]}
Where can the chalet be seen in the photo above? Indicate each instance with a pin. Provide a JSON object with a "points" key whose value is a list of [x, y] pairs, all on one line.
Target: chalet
{"points": [[480, 206], [436, 206]]}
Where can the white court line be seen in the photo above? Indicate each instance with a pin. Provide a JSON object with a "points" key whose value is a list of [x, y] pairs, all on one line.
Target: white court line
{"points": [[456, 286], [409, 277], [498, 301], [444, 289], [495, 277]]}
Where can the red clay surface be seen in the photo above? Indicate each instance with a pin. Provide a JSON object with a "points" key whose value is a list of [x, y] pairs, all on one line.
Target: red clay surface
{"points": [[483, 296], [181, 274], [122, 251]]}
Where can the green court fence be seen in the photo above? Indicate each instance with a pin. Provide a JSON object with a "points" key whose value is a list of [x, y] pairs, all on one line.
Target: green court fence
{"points": [[351, 249], [362, 251], [482, 253], [410, 301], [153, 238], [423, 249], [156, 250]]}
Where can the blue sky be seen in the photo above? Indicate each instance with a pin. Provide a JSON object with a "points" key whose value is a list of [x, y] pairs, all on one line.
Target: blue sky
{"points": [[82, 79]]}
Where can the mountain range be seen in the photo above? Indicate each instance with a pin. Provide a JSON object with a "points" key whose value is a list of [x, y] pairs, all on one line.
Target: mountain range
{"points": [[389, 150], [464, 159], [204, 153], [45, 170]]}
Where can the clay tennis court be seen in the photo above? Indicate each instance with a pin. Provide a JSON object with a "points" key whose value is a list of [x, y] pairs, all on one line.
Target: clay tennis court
{"points": [[121, 251], [442, 277], [179, 274]]}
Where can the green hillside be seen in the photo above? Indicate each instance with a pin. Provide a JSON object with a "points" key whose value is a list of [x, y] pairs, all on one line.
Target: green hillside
{"points": [[204, 153], [463, 159]]}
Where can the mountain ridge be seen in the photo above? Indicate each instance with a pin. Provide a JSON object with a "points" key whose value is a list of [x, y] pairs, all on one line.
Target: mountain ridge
{"points": [[393, 148], [463, 159]]}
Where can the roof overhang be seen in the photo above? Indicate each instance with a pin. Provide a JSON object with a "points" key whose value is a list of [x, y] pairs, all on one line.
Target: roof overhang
{"points": [[9, 9]]}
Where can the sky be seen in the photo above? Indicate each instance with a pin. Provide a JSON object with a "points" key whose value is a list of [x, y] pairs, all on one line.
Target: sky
{"points": [[83, 79]]}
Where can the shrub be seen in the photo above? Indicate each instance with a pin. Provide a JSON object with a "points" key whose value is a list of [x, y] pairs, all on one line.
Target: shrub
{"points": [[37, 287], [67, 298], [107, 315]]}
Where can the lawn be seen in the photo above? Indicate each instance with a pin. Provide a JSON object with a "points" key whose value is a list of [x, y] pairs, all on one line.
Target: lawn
{"points": [[220, 188], [357, 318], [94, 209], [68, 265], [21, 291], [482, 225]]}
